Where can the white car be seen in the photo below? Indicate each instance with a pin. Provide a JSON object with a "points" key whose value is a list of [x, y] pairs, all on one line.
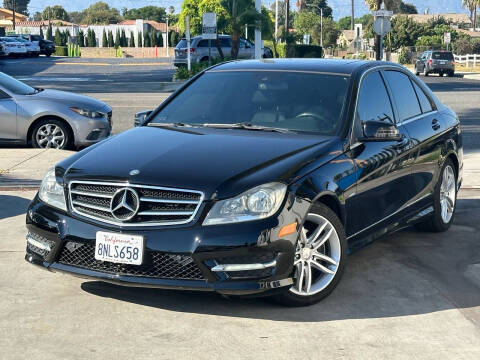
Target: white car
{"points": [[12, 47], [33, 49]]}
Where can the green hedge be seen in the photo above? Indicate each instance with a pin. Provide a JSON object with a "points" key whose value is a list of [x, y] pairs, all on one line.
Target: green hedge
{"points": [[61, 51], [278, 49], [304, 51], [183, 73]]}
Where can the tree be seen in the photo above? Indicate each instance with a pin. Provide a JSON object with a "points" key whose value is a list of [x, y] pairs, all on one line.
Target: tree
{"points": [[315, 6], [132, 39], [240, 12], [81, 38], [58, 37], [76, 17], [41, 32], [153, 37], [123, 38], [111, 43], [146, 40], [37, 16], [104, 39], [330, 33], [101, 13], [405, 32], [49, 32], [21, 6], [305, 21], [344, 23], [117, 39], [171, 10], [471, 5], [139, 39], [55, 12], [155, 13]]}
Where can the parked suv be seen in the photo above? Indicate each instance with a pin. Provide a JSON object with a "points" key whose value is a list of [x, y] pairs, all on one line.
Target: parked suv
{"points": [[199, 49], [439, 62]]}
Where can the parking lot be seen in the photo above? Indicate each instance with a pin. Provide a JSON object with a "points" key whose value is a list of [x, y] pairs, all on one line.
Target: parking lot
{"points": [[410, 295]]}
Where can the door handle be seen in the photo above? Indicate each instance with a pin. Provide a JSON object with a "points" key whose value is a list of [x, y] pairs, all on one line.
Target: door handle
{"points": [[435, 124]]}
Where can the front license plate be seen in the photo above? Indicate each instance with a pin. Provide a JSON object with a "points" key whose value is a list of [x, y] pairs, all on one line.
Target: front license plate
{"points": [[119, 248]]}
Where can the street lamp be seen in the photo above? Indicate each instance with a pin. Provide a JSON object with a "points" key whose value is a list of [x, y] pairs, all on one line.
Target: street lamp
{"points": [[321, 21]]}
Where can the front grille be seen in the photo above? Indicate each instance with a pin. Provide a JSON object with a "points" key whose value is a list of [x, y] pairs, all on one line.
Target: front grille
{"points": [[156, 205], [155, 264]]}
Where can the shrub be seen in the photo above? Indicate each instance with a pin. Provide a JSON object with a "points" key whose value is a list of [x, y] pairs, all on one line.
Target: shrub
{"points": [[183, 73], [61, 51], [304, 51], [404, 57], [278, 49]]}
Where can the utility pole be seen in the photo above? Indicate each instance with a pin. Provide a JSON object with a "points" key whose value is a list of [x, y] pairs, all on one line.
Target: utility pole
{"points": [[378, 38], [352, 24], [287, 14], [276, 20], [13, 11], [258, 32]]}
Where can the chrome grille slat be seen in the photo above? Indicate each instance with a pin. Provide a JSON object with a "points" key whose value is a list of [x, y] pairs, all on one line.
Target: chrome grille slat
{"points": [[158, 205]]}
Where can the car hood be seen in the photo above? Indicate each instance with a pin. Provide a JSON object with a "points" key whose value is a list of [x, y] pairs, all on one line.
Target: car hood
{"points": [[219, 162], [70, 99]]}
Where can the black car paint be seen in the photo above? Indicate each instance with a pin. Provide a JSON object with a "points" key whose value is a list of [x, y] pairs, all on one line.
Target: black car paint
{"points": [[374, 187]]}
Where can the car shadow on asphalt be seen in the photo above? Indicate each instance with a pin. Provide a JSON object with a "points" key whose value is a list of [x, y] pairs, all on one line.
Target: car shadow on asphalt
{"points": [[406, 273], [11, 206]]}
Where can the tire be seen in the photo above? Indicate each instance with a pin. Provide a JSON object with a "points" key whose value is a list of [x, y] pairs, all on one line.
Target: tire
{"points": [[51, 133], [441, 74], [323, 229], [48, 54], [439, 222], [451, 73], [416, 71]]}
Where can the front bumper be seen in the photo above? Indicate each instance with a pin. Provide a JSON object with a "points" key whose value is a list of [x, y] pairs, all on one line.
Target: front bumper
{"points": [[205, 246], [89, 131]]}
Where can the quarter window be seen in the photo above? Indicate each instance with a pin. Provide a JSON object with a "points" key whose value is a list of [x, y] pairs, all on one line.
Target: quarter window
{"points": [[424, 100], [403, 94]]}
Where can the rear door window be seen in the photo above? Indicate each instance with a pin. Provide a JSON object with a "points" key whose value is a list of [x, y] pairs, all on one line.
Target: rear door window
{"points": [[226, 42], [203, 43], [403, 94]]}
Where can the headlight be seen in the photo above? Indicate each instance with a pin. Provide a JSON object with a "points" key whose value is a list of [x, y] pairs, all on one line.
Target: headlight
{"points": [[51, 192], [88, 113], [258, 203]]}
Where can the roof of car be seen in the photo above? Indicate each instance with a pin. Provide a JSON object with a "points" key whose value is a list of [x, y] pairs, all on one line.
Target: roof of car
{"points": [[346, 67]]}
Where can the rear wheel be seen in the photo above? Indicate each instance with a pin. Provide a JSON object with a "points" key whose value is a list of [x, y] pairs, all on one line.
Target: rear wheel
{"points": [[445, 198], [319, 258], [416, 71], [441, 74], [451, 73], [51, 133]]}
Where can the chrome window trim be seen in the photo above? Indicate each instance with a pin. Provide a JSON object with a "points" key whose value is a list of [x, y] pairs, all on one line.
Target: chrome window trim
{"points": [[128, 184], [279, 70]]}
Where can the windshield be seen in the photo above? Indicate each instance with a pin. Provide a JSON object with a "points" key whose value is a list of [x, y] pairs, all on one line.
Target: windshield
{"points": [[182, 44], [310, 102], [8, 39], [15, 86], [442, 56]]}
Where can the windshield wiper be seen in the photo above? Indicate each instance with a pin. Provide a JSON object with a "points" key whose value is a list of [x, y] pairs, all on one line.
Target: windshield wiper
{"points": [[248, 126], [174, 124]]}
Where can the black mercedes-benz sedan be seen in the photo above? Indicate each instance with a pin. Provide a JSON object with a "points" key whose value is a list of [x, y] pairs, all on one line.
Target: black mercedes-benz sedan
{"points": [[255, 177]]}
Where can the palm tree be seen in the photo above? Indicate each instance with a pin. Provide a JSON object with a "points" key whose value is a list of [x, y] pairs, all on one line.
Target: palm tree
{"points": [[241, 12], [471, 5]]}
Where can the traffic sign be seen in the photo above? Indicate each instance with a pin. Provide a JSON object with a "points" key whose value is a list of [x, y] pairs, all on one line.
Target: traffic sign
{"points": [[209, 25], [382, 26], [382, 13], [447, 38]]}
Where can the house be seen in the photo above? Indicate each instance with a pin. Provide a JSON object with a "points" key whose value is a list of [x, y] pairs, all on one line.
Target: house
{"points": [[353, 39], [129, 26], [462, 20], [6, 17]]}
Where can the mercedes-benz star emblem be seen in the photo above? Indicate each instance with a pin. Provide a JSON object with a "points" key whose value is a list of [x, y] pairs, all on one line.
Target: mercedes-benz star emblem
{"points": [[124, 204]]}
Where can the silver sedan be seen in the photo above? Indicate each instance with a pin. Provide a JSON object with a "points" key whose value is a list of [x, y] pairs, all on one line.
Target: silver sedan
{"points": [[48, 118]]}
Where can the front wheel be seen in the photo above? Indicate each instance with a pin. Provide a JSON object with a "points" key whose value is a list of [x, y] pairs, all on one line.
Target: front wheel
{"points": [[51, 133], [319, 260], [445, 198]]}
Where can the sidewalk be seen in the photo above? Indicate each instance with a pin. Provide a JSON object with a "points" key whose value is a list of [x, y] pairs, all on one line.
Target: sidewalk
{"points": [[25, 168]]}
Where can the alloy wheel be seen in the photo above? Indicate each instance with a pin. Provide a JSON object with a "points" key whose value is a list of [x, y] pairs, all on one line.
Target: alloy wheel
{"points": [[447, 194], [50, 136], [317, 256]]}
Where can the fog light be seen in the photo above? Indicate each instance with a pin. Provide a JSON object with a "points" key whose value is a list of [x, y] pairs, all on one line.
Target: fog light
{"points": [[39, 244]]}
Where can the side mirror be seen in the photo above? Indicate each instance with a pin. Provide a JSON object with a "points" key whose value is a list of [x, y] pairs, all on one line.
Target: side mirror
{"points": [[140, 117], [381, 131]]}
